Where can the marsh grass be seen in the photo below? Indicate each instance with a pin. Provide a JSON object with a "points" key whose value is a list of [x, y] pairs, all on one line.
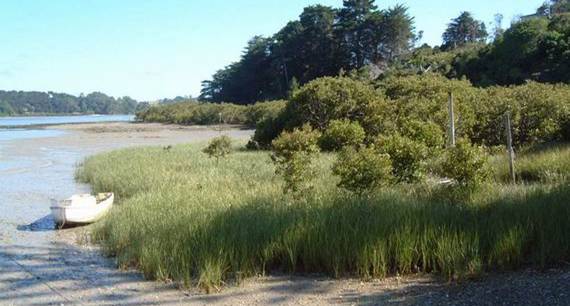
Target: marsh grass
{"points": [[181, 216], [543, 164]]}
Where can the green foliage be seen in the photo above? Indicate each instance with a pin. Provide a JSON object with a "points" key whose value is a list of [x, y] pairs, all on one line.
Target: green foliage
{"points": [[342, 133], [362, 170], [424, 98], [414, 106], [173, 223], [543, 164], [408, 156], [188, 113], [6, 109], [33, 102], [259, 112], [326, 99], [293, 154], [538, 114], [539, 110], [192, 112], [322, 42], [219, 147], [464, 30], [428, 133], [532, 49], [269, 128], [467, 164]]}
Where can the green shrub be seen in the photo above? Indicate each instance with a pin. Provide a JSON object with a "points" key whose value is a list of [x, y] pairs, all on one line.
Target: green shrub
{"points": [[219, 147], [268, 129], [293, 154], [342, 133], [260, 111], [428, 133], [408, 156], [326, 99], [538, 114], [362, 170], [467, 164], [424, 98]]}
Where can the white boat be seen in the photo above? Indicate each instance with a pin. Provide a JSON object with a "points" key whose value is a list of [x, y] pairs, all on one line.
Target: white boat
{"points": [[82, 208]]}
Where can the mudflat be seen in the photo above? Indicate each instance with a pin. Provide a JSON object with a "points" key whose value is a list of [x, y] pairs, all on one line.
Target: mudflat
{"points": [[43, 266]]}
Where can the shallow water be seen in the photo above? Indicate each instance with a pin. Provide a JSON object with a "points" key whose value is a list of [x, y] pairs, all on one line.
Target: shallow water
{"points": [[51, 120], [32, 173]]}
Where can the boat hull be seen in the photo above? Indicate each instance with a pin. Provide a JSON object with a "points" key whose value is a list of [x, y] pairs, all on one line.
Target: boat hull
{"points": [[81, 214]]}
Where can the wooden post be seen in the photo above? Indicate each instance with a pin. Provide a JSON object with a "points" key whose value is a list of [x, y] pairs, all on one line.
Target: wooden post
{"points": [[510, 147], [451, 121], [220, 124]]}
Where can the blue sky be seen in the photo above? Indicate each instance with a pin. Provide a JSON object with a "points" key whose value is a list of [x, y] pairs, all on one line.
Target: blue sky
{"points": [[150, 49]]}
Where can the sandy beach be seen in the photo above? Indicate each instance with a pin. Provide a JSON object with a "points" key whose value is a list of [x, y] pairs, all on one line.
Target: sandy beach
{"points": [[42, 266]]}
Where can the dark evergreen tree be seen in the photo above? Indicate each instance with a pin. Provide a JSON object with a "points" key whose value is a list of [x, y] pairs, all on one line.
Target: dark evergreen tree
{"points": [[463, 30]]}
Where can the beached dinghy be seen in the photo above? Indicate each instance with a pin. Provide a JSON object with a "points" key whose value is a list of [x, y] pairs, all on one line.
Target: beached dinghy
{"points": [[82, 209]]}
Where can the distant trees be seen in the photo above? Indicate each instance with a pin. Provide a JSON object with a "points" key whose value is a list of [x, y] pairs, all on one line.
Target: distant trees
{"points": [[362, 41], [322, 42], [552, 7], [30, 102], [463, 30], [5, 109], [532, 49]]}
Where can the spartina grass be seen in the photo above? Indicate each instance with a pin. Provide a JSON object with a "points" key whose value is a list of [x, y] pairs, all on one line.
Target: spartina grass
{"points": [[181, 217]]}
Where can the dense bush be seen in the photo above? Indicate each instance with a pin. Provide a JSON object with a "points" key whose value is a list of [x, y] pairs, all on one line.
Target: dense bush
{"points": [[532, 49], [342, 133], [413, 106], [293, 154], [424, 98], [539, 111], [258, 112], [362, 170], [268, 129], [408, 156], [428, 133], [189, 113], [219, 147], [466, 164], [326, 99]]}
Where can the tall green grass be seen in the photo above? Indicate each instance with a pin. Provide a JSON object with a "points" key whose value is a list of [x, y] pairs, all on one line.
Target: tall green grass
{"points": [[539, 164], [181, 216]]}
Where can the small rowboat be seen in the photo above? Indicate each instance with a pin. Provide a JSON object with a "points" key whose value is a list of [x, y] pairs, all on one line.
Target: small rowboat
{"points": [[81, 209]]}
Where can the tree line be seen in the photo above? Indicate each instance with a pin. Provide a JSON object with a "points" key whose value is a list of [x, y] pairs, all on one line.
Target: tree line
{"points": [[34, 102], [322, 42], [361, 38]]}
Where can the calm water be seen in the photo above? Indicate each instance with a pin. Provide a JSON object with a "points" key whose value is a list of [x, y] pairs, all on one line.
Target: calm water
{"points": [[33, 172], [7, 133], [46, 120]]}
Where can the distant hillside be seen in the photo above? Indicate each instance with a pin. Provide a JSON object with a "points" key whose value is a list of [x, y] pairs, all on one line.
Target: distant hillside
{"points": [[35, 102]]}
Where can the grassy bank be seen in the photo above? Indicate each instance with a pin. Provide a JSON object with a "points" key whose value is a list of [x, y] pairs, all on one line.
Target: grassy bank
{"points": [[182, 216]]}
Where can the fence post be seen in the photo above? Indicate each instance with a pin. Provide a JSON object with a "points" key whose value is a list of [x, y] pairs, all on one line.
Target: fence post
{"points": [[510, 147], [451, 121]]}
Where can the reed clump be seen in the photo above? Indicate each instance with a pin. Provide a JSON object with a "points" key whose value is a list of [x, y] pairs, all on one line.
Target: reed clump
{"points": [[182, 217]]}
